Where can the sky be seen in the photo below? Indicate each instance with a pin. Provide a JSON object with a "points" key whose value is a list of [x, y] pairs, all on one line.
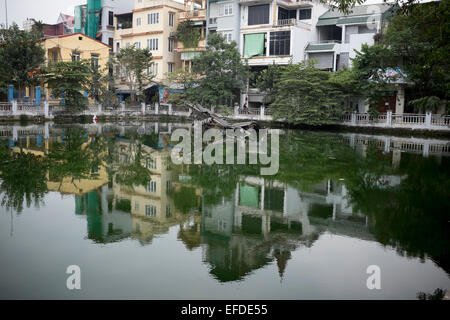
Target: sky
{"points": [[47, 10]]}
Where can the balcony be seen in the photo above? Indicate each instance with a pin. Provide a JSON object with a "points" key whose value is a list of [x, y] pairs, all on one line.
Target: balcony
{"points": [[192, 15], [201, 45], [293, 3], [291, 22]]}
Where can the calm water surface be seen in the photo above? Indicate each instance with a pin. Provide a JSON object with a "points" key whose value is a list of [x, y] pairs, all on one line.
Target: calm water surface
{"points": [[108, 199]]}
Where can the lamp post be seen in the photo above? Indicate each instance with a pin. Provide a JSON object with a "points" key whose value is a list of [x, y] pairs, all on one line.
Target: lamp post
{"points": [[6, 13]]}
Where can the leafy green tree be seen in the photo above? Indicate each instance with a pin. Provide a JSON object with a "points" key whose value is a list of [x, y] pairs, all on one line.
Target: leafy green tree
{"points": [[218, 74], [69, 80], [134, 64], [188, 34], [21, 56], [416, 40], [306, 95]]}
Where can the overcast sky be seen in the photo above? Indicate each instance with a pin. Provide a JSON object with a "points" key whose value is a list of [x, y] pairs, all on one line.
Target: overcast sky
{"points": [[46, 10]]}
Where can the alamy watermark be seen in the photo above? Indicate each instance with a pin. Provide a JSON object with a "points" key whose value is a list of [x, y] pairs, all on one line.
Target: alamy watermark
{"points": [[230, 146]]}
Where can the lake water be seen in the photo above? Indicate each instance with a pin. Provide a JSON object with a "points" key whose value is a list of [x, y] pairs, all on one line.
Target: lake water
{"points": [[108, 199]]}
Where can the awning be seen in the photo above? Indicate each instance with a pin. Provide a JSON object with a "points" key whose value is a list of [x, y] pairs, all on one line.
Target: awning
{"points": [[327, 22], [253, 45], [320, 47]]}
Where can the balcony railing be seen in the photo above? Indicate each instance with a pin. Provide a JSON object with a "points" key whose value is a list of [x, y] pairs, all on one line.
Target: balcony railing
{"points": [[195, 14]]}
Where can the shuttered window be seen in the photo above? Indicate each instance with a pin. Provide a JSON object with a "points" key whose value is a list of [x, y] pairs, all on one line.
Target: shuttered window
{"points": [[258, 14]]}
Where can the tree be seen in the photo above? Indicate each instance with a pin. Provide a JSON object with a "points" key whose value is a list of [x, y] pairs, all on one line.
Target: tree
{"points": [[135, 64], [21, 55], [218, 74], [69, 80], [302, 94], [188, 34], [416, 40]]}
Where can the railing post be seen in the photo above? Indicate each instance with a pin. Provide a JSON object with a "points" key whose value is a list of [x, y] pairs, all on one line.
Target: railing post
{"points": [[122, 106], [14, 107], [170, 109], [99, 109], [38, 96], [236, 110], [428, 119], [143, 106], [10, 93], [262, 110], [389, 118], [353, 119], [46, 109], [156, 108]]}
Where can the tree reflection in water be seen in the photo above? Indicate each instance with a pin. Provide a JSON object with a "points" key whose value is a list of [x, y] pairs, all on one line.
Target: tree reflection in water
{"points": [[127, 188]]}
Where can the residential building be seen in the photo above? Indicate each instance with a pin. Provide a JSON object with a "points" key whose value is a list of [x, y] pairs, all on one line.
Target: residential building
{"points": [[152, 24], [64, 25], [275, 31], [195, 11], [223, 17], [96, 18], [339, 35], [76, 46]]}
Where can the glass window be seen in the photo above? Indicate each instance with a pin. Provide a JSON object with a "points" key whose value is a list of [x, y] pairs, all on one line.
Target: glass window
{"points": [[170, 67], [153, 18], [152, 44], [258, 14], [171, 19], [227, 9], [280, 43], [94, 61], [110, 18], [305, 14], [75, 56], [138, 21], [171, 44]]}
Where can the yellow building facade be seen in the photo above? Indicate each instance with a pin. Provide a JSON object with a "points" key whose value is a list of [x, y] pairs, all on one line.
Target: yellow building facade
{"points": [[152, 25], [73, 47]]}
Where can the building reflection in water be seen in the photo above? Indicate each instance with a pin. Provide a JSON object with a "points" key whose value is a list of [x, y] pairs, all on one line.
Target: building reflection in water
{"points": [[262, 222]]}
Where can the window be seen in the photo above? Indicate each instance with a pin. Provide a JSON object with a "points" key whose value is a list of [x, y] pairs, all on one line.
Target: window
{"points": [[117, 47], [137, 45], [111, 42], [170, 67], [152, 44], [153, 69], [171, 18], [284, 14], [304, 14], [150, 210], [228, 36], [258, 14], [153, 18], [110, 18], [168, 211], [94, 61], [227, 9], [151, 163], [75, 56], [171, 44], [280, 43], [168, 186], [136, 206], [151, 186], [138, 21]]}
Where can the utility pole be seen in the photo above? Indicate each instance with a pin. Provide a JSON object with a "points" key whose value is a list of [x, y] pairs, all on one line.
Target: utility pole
{"points": [[6, 11]]}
